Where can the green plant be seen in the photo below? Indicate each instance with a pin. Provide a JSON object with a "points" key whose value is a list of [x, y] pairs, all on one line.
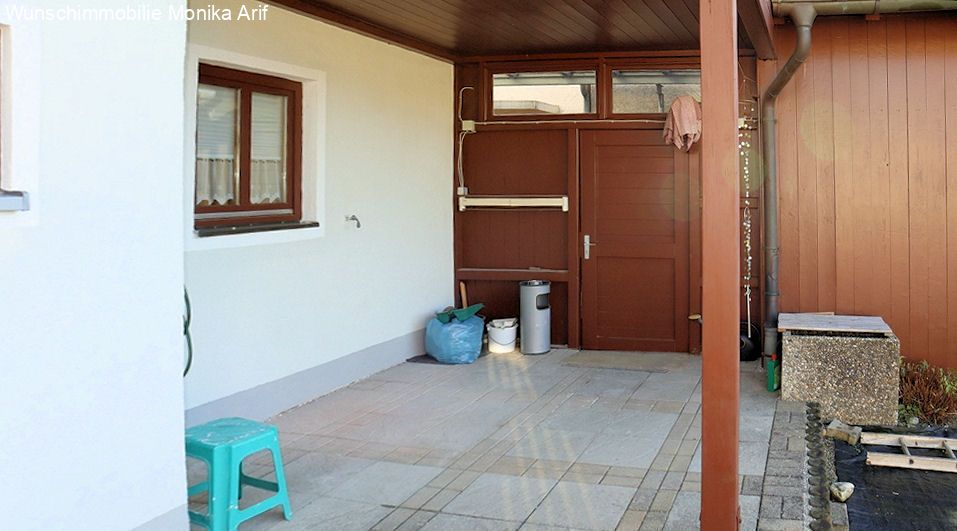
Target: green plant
{"points": [[928, 392]]}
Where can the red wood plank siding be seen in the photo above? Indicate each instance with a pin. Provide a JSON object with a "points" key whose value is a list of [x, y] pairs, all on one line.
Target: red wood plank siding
{"points": [[867, 146]]}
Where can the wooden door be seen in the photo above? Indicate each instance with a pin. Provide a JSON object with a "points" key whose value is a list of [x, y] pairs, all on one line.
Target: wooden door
{"points": [[634, 209]]}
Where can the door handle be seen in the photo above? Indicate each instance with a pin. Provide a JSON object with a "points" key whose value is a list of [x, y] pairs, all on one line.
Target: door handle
{"points": [[587, 244]]}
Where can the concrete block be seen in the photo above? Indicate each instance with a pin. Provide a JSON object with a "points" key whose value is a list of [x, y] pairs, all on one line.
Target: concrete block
{"points": [[840, 431], [855, 377], [839, 519]]}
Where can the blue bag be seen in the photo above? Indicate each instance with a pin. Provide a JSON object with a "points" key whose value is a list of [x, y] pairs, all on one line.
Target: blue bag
{"points": [[455, 342]]}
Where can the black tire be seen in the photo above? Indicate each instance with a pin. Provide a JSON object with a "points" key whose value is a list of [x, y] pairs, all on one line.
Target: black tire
{"points": [[750, 348]]}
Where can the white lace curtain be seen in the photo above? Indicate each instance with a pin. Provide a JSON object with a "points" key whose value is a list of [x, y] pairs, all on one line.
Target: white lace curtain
{"points": [[216, 180]]}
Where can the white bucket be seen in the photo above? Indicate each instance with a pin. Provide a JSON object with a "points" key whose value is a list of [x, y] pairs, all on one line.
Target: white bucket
{"points": [[501, 335]]}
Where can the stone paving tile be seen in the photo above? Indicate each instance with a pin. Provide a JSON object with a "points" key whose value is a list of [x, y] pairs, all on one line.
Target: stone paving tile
{"points": [[540, 431], [663, 501], [558, 445], [394, 519], [317, 474], [642, 499], [454, 522], [329, 514], [751, 485], [692, 486], [440, 500], [680, 463], [669, 447], [668, 406], [627, 472], [582, 506], [416, 521], [621, 481], [544, 473], [372, 451], [684, 514], [440, 462], [641, 405], [385, 483], [587, 468], [463, 480], [582, 477], [652, 480], [631, 520], [771, 506], [308, 443], [623, 450], [511, 465], [502, 497], [752, 457], [539, 527], [672, 480], [417, 500], [767, 524], [654, 521], [749, 512], [552, 464], [444, 478]]}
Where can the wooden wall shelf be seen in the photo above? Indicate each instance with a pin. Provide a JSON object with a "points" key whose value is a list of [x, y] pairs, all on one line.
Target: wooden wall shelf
{"points": [[517, 275], [472, 201]]}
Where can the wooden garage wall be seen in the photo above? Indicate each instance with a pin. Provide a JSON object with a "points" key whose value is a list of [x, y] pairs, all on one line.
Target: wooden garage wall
{"points": [[867, 146], [494, 249]]}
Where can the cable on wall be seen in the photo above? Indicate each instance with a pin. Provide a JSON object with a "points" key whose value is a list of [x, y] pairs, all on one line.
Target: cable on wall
{"points": [[462, 134]]}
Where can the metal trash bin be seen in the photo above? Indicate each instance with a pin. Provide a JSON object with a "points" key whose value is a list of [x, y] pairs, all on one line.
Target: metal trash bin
{"points": [[536, 316]]}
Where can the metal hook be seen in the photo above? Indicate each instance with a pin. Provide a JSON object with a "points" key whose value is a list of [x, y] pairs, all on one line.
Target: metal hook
{"points": [[354, 218]]}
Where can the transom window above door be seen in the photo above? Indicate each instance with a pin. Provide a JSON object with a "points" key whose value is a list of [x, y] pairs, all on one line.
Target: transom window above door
{"points": [[544, 93], [652, 91], [614, 88], [248, 149]]}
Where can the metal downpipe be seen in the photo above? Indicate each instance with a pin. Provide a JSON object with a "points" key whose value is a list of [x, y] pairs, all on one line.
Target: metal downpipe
{"points": [[803, 16]]}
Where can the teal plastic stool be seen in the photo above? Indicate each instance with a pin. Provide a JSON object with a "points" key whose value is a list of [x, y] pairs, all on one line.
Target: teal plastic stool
{"points": [[223, 444]]}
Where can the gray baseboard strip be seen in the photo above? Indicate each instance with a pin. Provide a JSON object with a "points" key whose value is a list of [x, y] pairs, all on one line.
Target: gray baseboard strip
{"points": [[168, 521], [266, 400]]}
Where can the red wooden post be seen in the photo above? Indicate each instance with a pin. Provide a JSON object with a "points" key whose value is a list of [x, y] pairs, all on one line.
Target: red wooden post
{"points": [[721, 277]]}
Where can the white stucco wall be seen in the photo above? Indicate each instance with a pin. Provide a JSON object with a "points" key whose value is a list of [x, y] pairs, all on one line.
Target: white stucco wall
{"points": [[266, 308], [91, 391]]}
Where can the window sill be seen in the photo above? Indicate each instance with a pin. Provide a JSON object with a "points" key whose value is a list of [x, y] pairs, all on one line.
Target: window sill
{"points": [[208, 232], [254, 237]]}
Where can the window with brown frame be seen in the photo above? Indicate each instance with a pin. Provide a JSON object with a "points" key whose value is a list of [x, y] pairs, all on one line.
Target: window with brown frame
{"points": [[544, 93], [248, 149], [651, 91], [614, 87]]}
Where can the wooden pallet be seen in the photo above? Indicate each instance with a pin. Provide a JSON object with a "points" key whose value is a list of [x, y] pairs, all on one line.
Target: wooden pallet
{"points": [[906, 459]]}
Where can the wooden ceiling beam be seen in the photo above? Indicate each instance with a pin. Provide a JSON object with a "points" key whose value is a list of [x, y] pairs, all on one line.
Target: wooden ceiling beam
{"points": [[346, 21], [756, 18]]}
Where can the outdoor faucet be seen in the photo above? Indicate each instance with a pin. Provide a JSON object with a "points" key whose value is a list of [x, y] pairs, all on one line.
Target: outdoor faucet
{"points": [[354, 218]]}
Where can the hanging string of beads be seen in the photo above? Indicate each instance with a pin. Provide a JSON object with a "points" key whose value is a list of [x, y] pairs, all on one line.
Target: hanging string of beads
{"points": [[744, 149]]}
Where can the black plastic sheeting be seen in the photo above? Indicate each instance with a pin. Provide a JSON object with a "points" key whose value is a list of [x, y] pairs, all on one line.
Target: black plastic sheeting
{"points": [[897, 499]]}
